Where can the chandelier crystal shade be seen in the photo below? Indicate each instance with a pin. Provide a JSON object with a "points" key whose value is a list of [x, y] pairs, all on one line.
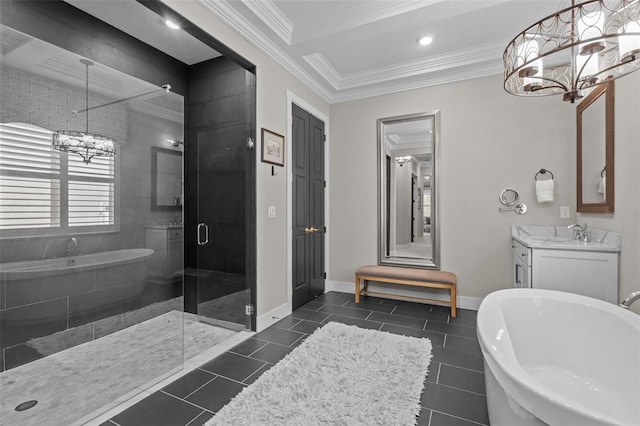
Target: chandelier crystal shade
{"points": [[85, 144], [403, 159], [574, 50]]}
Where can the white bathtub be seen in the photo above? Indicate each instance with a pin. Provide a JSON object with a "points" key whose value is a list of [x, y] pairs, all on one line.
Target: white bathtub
{"points": [[559, 359], [89, 282]]}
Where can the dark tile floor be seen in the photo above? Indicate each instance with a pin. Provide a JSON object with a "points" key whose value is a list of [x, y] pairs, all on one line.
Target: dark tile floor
{"points": [[454, 392]]}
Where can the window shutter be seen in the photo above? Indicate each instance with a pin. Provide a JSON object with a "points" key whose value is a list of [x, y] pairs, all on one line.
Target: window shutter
{"points": [[29, 178], [91, 191]]}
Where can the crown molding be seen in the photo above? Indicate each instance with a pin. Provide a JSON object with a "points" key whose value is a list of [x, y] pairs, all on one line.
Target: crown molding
{"points": [[380, 81], [273, 17], [431, 64], [325, 69], [451, 60], [246, 29], [482, 70]]}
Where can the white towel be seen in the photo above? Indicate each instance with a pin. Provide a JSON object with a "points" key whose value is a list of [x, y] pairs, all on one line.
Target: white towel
{"points": [[602, 186], [544, 190]]}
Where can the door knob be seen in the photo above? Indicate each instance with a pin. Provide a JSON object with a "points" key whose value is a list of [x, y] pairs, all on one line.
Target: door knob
{"points": [[311, 230]]}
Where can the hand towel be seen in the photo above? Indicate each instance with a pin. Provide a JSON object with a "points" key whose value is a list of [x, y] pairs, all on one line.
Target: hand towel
{"points": [[544, 190], [602, 186]]}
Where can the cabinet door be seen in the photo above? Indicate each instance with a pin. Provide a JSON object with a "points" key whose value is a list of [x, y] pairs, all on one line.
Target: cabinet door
{"points": [[593, 274], [521, 274]]}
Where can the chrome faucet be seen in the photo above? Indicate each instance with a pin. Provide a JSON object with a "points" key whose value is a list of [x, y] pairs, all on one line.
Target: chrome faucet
{"points": [[76, 246], [630, 299], [582, 233]]}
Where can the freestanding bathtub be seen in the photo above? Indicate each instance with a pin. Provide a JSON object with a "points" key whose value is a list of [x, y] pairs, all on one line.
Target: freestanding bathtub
{"points": [[558, 358], [41, 297]]}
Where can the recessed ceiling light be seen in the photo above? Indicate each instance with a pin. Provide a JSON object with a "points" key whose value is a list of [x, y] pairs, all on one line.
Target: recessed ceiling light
{"points": [[423, 41], [172, 25]]}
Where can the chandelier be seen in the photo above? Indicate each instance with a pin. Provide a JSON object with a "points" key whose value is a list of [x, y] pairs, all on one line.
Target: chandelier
{"points": [[574, 50], [403, 159], [85, 144], [88, 145]]}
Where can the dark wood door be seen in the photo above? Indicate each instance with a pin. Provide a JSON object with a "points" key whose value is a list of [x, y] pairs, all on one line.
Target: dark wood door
{"points": [[308, 206]]}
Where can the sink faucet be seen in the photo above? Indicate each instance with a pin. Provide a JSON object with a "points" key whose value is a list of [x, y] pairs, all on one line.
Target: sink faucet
{"points": [[630, 299], [582, 233], [76, 246]]}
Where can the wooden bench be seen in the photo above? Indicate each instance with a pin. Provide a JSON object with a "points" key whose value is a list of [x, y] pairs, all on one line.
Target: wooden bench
{"points": [[407, 276]]}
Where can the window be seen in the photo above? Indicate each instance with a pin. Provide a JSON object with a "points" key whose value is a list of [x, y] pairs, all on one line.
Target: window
{"points": [[44, 191]]}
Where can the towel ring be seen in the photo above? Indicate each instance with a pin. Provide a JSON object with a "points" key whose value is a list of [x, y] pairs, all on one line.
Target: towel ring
{"points": [[603, 170], [543, 171]]}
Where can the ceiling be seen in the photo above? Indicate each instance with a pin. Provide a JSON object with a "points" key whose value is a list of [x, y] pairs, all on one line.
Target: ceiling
{"points": [[347, 50], [352, 49]]}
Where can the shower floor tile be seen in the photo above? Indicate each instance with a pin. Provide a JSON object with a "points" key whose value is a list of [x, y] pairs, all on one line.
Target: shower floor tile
{"points": [[105, 372]]}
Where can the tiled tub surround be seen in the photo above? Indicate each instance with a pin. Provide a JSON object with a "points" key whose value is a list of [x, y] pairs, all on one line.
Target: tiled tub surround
{"points": [[454, 392], [39, 298], [556, 358], [562, 238]]}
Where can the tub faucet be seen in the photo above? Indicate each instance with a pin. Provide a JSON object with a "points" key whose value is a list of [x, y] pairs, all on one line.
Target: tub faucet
{"points": [[582, 233], [76, 246], [630, 299]]}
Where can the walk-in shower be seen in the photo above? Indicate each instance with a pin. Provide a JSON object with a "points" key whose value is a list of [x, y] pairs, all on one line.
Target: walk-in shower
{"points": [[78, 307], [94, 248]]}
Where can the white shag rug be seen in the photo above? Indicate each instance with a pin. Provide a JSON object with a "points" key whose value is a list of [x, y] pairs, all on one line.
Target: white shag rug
{"points": [[340, 375]]}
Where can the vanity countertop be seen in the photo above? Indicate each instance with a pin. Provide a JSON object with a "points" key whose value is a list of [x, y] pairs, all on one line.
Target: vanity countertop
{"points": [[164, 227], [561, 238]]}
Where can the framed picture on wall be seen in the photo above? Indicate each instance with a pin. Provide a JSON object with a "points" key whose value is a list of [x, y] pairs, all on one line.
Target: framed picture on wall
{"points": [[272, 147]]}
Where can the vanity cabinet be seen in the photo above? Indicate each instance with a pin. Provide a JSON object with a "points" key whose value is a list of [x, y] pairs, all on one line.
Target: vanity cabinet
{"points": [[167, 243], [586, 272], [521, 265]]}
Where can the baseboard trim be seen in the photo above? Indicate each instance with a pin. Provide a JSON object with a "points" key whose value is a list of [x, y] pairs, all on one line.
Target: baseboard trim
{"points": [[462, 302], [273, 316]]}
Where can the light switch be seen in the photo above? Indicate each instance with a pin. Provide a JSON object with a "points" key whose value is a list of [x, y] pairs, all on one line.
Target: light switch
{"points": [[564, 212], [271, 212]]}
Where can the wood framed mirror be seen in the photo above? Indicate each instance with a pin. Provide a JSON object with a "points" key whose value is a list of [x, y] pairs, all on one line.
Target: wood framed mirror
{"points": [[595, 150]]}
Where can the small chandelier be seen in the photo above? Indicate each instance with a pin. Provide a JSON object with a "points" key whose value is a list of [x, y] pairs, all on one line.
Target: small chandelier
{"points": [[403, 159], [574, 49], [85, 144]]}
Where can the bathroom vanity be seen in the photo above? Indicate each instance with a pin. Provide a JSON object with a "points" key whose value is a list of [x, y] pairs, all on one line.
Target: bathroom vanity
{"points": [[549, 257], [167, 243]]}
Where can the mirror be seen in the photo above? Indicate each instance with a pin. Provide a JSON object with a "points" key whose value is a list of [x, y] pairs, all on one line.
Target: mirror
{"points": [[407, 188], [595, 139], [166, 179]]}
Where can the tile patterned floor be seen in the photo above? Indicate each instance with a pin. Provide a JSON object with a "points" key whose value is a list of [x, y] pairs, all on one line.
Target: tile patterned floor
{"points": [[454, 389]]}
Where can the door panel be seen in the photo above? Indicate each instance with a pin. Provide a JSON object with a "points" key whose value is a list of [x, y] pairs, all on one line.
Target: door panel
{"points": [[220, 193], [308, 206]]}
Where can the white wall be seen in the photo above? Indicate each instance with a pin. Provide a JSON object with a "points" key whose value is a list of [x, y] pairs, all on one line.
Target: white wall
{"points": [[626, 218], [489, 141], [272, 84]]}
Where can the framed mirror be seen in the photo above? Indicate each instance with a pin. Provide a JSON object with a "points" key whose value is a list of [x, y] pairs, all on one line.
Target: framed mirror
{"points": [[407, 190], [595, 149], [166, 179]]}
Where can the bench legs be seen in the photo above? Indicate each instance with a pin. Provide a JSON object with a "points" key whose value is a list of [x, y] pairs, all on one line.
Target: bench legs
{"points": [[452, 291], [364, 290], [358, 291]]}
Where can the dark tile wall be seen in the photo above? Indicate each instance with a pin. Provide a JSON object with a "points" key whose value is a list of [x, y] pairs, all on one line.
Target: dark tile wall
{"points": [[65, 26], [220, 183]]}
